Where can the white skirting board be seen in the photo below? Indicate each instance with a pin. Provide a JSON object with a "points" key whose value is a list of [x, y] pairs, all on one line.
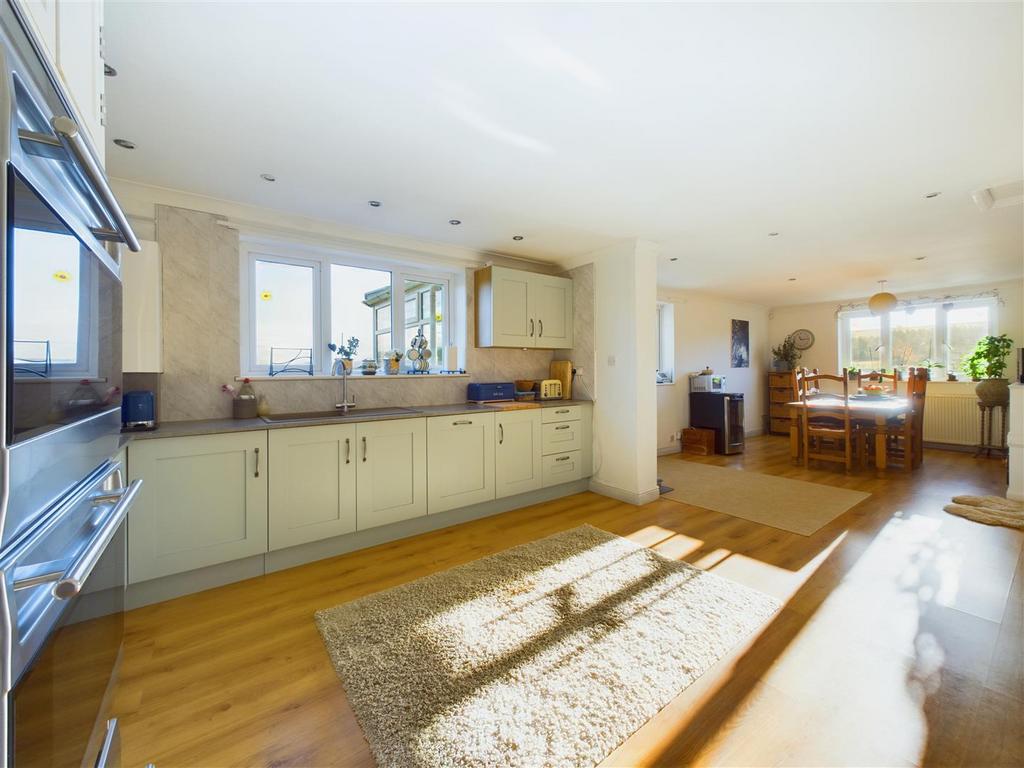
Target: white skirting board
{"points": [[166, 588], [630, 497]]}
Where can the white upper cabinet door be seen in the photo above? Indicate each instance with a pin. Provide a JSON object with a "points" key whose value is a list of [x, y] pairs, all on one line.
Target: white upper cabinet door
{"points": [[551, 307], [80, 63], [517, 459], [503, 308], [203, 501], [391, 471], [42, 14], [460, 461], [312, 484]]}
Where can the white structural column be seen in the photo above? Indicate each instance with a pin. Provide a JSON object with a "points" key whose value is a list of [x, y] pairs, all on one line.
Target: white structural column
{"points": [[625, 408], [1016, 443]]}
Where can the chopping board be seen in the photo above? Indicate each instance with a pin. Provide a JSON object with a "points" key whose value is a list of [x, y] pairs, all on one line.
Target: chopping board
{"points": [[507, 405], [562, 370]]}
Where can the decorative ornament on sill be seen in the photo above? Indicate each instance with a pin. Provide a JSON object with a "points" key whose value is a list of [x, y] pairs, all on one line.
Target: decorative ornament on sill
{"points": [[882, 302]]}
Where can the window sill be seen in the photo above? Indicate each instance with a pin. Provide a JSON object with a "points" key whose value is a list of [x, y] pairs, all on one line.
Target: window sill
{"points": [[664, 383], [357, 377]]}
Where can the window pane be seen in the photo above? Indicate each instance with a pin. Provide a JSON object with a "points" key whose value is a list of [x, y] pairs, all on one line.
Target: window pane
{"points": [[284, 310], [913, 336], [426, 304], [965, 327], [864, 340], [47, 266], [359, 298]]}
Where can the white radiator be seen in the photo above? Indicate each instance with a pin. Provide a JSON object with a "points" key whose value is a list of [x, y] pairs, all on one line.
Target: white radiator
{"points": [[952, 417]]}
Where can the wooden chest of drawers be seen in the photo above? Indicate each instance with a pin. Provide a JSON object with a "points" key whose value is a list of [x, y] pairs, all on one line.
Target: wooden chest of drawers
{"points": [[780, 391]]}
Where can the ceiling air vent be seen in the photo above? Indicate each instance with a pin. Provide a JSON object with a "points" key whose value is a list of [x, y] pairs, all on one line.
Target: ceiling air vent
{"points": [[999, 196]]}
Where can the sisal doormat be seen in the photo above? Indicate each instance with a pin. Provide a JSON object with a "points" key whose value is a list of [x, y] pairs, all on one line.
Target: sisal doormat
{"points": [[991, 510], [547, 654], [792, 505]]}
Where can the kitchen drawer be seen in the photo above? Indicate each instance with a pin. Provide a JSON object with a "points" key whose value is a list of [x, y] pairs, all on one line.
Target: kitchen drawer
{"points": [[562, 413], [562, 468], [780, 426], [561, 436]]}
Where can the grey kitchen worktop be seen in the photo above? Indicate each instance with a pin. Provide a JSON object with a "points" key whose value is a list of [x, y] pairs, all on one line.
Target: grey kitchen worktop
{"points": [[221, 426]]}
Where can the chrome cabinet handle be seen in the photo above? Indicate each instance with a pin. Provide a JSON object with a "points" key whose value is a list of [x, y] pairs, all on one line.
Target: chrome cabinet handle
{"points": [[364, 448], [257, 463], [461, 422], [501, 434], [531, 326], [74, 577], [562, 426], [348, 451], [563, 458], [71, 137], [540, 325], [562, 410]]}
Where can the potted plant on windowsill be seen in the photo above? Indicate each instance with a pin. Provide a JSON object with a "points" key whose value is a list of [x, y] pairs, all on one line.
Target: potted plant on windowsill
{"points": [[930, 365], [786, 354], [344, 354], [986, 365]]}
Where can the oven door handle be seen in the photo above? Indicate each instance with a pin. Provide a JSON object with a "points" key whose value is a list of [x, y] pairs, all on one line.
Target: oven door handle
{"points": [[70, 584]]}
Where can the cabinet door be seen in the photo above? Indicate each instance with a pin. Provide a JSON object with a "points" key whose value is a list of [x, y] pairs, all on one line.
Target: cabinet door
{"points": [[512, 323], [312, 484], [80, 62], [460, 461], [42, 15], [551, 306], [203, 501], [517, 460], [391, 471]]}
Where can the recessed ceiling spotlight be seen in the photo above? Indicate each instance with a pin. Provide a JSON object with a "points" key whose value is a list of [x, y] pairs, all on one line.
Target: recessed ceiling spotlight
{"points": [[454, 222], [673, 258], [268, 177], [773, 234], [374, 203], [930, 195], [791, 279], [517, 237], [920, 258], [109, 71], [124, 143]]}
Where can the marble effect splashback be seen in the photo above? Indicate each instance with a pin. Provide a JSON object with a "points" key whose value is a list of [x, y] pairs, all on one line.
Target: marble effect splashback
{"points": [[201, 336]]}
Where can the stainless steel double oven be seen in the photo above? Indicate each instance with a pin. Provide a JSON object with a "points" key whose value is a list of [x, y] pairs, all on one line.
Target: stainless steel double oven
{"points": [[63, 501]]}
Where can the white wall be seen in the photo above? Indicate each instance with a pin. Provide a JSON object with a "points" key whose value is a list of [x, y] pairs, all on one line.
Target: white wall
{"points": [[703, 334], [820, 319]]}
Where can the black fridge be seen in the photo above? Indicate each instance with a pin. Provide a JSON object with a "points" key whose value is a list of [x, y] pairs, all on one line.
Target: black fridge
{"points": [[722, 412]]}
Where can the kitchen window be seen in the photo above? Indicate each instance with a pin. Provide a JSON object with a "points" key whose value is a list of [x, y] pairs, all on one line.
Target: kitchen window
{"points": [[939, 333], [294, 303]]}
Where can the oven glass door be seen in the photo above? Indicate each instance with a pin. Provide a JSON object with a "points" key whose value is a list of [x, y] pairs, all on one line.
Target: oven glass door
{"points": [[60, 706], [63, 324]]}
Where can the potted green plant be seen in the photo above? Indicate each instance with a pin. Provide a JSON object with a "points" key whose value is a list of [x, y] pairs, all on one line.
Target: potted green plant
{"points": [[345, 353], [786, 354], [930, 365], [986, 365]]}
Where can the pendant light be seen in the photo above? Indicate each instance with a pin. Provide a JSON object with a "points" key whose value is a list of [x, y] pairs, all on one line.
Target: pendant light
{"points": [[883, 301]]}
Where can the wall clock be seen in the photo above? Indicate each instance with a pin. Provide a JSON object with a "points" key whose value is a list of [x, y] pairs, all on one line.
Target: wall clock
{"points": [[803, 339]]}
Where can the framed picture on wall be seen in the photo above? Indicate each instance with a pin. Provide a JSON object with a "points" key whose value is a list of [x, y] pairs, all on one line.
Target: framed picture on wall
{"points": [[740, 351]]}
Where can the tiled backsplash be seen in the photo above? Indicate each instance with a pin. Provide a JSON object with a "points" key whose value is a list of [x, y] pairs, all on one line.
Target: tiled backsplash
{"points": [[201, 337]]}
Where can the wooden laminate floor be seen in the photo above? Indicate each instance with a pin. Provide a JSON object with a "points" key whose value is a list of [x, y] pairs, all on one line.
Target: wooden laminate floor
{"points": [[901, 639]]}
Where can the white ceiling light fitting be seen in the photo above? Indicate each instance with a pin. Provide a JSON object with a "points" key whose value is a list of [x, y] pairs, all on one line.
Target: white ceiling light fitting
{"points": [[999, 196], [773, 234], [517, 238], [374, 203], [454, 222], [931, 195], [882, 302], [268, 177], [125, 143]]}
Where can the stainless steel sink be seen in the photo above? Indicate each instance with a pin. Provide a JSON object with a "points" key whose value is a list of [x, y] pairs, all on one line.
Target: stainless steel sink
{"points": [[354, 414]]}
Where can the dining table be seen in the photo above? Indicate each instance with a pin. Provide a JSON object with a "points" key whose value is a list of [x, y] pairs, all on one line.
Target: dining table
{"points": [[873, 409]]}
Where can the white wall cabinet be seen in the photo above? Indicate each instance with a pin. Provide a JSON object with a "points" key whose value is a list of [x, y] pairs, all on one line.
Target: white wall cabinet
{"points": [[522, 309], [142, 328], [391, 471], [312, 478], [71, 34], [460, 463], [203, 501], [517, 460]]}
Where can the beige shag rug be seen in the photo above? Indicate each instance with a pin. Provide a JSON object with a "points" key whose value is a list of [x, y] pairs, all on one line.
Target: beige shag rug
{"points": [[792, 505], [547, 654], [991, 510]]}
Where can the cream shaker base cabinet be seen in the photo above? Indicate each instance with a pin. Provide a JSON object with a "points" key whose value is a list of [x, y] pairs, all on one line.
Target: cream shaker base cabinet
{"points": [[460, 465], [391, 471], [517, 460], [522, 309], [312, 484], [203, 501]]}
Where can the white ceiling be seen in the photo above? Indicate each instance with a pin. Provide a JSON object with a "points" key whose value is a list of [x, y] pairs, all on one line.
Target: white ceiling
{"points": [[701, 127]]}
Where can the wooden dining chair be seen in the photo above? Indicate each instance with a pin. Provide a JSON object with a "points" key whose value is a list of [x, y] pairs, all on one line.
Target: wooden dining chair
{"points": [[876, 377], [828, 431], [904, 435]]}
